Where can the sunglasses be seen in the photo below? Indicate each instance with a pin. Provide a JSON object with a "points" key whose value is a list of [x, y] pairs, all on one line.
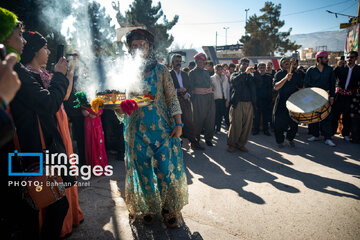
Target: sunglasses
{"points": [[350, 57]]}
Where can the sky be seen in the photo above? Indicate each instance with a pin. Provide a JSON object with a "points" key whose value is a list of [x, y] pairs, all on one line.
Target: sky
{"points": [[199, 21]]}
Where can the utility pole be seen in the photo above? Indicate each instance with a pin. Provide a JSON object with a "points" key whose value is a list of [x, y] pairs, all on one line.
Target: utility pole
{"points": [[216, 40], [246, 10], [226, 28]]}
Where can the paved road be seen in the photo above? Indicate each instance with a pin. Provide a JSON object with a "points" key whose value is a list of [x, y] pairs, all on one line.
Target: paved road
{"points": [[311, 191]]}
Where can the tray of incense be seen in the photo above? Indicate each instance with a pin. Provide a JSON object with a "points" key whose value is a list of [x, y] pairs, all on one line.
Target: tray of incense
{"points": [[113, 98]]}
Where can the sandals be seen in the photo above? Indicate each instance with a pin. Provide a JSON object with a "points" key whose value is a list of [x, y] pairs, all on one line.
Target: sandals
{"points": [[148, 219], [171, 220]]}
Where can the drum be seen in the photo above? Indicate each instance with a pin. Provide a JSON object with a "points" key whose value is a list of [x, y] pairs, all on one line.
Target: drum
{"points": [[309, 105]]}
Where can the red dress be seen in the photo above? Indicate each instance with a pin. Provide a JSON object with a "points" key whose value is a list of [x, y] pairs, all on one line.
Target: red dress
{"points": [[94, 139]]}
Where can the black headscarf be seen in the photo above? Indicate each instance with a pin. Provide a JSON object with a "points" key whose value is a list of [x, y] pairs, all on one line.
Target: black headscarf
{"points": [[34, 42], [142, 34]]}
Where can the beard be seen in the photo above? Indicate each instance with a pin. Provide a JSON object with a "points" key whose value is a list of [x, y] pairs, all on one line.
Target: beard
{"points": [[325, 63]]}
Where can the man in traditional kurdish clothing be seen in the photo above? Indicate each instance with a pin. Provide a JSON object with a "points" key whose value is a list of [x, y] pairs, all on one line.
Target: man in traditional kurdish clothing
{"points": [[286, 82], [243, 104], [346, 88], [155, 176], [322, 76], [263, 100], [183, 88], [202, 100]]}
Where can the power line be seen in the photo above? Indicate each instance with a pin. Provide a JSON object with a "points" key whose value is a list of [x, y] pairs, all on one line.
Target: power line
{"points": [[206, 23], [242, 21], [352, 5], [314, 9]]}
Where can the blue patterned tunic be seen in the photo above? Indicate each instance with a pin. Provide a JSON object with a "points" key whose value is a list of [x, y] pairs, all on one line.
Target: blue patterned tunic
{"points": [[155, 174]]}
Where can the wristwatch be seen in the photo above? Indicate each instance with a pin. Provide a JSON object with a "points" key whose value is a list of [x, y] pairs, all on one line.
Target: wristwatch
{"points": [[179, 124]]}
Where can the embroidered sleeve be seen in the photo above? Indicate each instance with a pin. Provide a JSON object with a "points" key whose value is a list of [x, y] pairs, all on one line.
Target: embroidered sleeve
{"points": [[170, 93]]}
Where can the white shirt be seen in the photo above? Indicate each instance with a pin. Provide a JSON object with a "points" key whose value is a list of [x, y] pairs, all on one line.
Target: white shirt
{"points": [[349, 76], [179, 78]]}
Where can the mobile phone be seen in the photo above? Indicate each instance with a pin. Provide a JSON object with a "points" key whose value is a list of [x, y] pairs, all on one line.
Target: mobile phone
{"points": [[52, 66], [2, 51], [71, 56], [59, 52]]}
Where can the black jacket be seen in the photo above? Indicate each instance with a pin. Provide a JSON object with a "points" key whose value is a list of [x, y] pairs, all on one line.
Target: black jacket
{"points": [[325, 79], [185, 80], [264, 86], [341, 74], [287, 89], [34, 100], [243, 88]]}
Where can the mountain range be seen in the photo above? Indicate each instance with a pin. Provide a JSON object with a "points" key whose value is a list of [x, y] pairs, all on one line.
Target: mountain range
{"points": [[334, 40]]}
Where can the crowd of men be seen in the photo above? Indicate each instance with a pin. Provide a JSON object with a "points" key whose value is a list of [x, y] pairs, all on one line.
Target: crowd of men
{"points": [[244, 99]]}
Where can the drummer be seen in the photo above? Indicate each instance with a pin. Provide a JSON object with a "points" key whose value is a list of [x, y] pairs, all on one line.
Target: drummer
{"points": [[322, 76], [286, 83]]}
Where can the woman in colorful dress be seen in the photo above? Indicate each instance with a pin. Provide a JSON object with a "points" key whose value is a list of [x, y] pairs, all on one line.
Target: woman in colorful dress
{"points": [[95, 153], [35, 57], [155, 175]]}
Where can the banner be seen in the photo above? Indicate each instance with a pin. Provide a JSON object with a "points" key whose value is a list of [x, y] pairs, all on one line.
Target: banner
{"points": [[352, 39]]}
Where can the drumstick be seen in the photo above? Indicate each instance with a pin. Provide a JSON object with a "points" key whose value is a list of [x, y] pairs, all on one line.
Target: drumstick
{"points": [[292, 61]]}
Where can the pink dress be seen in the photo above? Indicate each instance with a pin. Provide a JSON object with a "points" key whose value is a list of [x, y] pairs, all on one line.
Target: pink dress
{"points": [[94, 139]]}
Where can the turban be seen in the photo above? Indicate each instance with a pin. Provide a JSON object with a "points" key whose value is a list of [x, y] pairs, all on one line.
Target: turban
{"points": [[321, 54], [199, 56], [140, 34]]}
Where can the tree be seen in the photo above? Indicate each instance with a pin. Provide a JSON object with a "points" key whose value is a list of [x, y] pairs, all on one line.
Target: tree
{"points": [[142, 13], [102, 33], [265, 38]]}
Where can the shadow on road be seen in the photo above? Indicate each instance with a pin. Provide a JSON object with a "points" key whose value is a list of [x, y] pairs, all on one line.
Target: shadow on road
{"points": [[96, 212], [228, 172], [223, 170]]}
